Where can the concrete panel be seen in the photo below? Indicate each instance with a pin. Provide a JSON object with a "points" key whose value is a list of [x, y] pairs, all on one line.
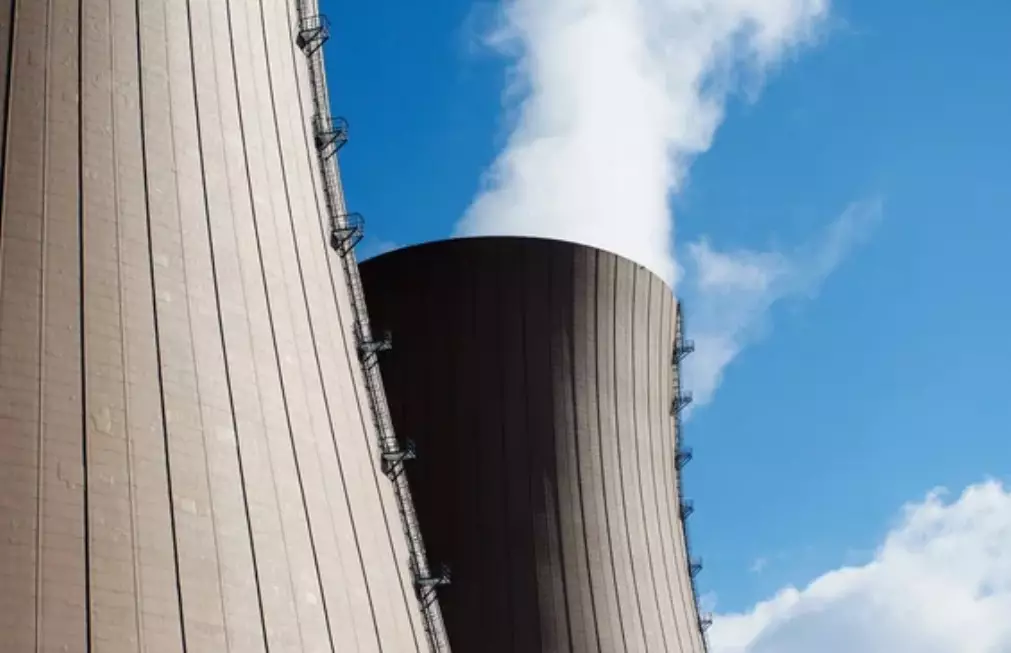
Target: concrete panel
{"points": [[535, 378], [22, 449], [187, 460]]}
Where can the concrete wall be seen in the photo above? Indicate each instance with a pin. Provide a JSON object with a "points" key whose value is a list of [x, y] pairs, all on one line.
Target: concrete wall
{"points": [[535, 378], [187, 461]]}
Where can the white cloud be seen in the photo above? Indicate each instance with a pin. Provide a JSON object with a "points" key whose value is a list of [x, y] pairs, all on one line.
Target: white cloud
{"points": [[940, 583], [729, 294], [612, 100]]}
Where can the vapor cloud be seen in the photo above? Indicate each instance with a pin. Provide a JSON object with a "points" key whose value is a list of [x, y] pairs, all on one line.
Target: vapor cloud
{"points": [[612, 100], [729, 294], [940, 583]]}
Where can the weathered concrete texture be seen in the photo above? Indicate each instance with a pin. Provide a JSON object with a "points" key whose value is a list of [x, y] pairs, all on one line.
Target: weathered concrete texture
{"points": [[535, 379], [187, 462]]}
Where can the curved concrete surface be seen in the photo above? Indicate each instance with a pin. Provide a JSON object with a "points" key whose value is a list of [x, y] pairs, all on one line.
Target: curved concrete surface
{"points": [[187, 462], [535, 378]]}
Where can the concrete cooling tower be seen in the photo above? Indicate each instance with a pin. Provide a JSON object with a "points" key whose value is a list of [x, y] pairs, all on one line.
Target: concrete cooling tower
{"points": [[195, 453], [538, 383]]}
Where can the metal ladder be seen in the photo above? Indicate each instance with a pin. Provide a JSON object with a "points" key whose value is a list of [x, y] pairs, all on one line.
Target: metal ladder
{"points": [[329, 134], [683, 455]]}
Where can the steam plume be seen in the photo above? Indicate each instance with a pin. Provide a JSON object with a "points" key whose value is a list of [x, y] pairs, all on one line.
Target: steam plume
{"points": [[613, 99]]}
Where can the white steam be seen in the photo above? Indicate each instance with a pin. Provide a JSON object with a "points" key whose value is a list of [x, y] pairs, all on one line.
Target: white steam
{"points": [[615, 99], [730, 294]]}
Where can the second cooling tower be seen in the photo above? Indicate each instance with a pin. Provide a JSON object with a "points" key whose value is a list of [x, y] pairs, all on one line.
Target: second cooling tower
{"points": [[535, 379]]}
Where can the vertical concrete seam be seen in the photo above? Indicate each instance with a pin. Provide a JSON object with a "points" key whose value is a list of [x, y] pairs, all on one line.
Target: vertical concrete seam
{"points": [[221, 335], [553, 459], [530, 446], [43, 261], [636, 440], [655, 322], [577, 445], [621, 469], [273, 335], [81, 317], [504, 449], [124, 349], [9, 84], [600, 444], [157, 334]]}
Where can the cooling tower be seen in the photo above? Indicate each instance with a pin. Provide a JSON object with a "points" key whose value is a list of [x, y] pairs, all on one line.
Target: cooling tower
{"points": [[537, 381], [192, 452]]}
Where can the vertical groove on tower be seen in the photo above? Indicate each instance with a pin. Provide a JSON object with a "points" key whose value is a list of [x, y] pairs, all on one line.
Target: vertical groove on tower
{"points": [[598, 414], [497, 448], [82, 238], [40, 447], [8, 35], [162, 422], [624, 302]]}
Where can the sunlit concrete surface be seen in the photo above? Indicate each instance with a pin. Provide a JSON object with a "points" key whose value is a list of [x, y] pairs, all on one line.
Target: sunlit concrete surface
{"points": [[535, 379], [187, 460]]}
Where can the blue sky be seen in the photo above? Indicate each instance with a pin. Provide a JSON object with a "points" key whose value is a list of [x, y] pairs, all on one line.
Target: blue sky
{"points": [[888, 375]]}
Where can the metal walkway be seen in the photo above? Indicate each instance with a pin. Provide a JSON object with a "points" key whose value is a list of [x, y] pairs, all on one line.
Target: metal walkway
{"points": [[329, 134]]}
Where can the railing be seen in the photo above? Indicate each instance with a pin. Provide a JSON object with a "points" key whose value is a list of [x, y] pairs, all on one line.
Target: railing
{"points": [[329, 135], [682, 456], [313, 32], [681, 399], [346, 231]]}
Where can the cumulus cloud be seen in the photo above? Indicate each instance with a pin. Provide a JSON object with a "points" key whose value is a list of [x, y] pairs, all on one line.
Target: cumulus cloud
{"points": [[729, 294], [612, 100], [940, 583]]}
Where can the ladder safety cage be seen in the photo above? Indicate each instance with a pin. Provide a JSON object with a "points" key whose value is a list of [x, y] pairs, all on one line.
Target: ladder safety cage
{"points": [[681, 399], [682, 346], [393, 460], [425, 586], [687, 508], [683, 457], [346, 231], [705, 621], [329, 135], [695, 566], [313, 32], [369, 349]]}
